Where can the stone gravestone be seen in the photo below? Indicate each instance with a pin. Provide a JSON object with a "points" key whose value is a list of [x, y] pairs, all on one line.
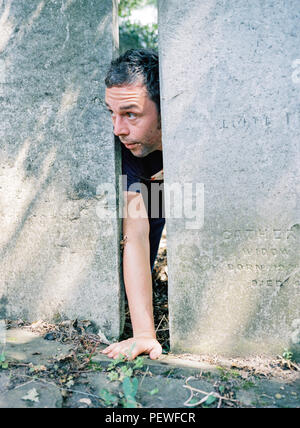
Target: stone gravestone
{"points": [[230, 78], [59, 255]]}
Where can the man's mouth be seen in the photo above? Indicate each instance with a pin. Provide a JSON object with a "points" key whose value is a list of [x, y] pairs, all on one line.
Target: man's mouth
{"points": [[131, 145]]}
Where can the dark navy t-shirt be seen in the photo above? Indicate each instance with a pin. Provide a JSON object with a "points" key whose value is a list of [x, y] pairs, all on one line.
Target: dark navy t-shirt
{"points": [[144, 176]]}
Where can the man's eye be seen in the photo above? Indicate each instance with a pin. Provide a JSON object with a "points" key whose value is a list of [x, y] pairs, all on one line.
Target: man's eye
{"points": [[131, 115]]}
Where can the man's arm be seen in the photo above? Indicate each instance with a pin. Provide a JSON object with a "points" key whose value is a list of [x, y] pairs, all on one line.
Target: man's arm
{"points": [[138, 283]]}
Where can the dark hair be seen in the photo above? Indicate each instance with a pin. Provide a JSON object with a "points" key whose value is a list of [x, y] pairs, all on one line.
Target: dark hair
{"points": [[135, 65]]}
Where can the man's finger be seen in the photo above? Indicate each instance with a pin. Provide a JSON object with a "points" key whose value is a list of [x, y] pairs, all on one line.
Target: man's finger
{"points": [[108, 349], [155, 352]]}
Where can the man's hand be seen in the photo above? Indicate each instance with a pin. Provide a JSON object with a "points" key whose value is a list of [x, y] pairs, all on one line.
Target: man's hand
{"points": [[133, 347]]}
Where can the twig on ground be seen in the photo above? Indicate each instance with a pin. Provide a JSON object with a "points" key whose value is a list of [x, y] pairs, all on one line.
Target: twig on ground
{"points": [[288, 363], [60, 388], [164, 317], [206, 395], [145, 375], [23, 384]]}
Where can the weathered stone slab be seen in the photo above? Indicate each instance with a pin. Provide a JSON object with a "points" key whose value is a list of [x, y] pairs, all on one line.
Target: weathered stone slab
{"points": [[57, 255], [4, 382], [231, 121], [32, 395], [27, 347]]}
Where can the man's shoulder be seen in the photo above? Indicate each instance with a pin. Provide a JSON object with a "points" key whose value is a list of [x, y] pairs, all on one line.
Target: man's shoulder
{"points": [[147, 166]]}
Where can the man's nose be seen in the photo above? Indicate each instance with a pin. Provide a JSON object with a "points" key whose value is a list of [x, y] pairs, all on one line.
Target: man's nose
{"points": [[120, 126]]}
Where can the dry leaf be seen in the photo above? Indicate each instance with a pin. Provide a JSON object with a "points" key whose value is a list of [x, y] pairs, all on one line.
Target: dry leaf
{"points": [[32, 395], [86, 401], [70, 383]]}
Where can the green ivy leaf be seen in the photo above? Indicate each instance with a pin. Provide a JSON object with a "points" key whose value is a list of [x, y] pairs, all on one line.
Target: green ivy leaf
{"points": [[127, 371], [154, 391], [130, 386], [113, 376], [107, 397], [130, 389], [221, 389], [193, 401], [139, 363], [210, 400]]}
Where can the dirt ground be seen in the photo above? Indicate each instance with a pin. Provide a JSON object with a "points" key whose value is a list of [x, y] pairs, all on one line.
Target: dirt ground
{"points": [[60, 365]]}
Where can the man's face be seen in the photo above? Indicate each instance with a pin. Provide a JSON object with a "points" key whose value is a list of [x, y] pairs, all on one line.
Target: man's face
{"points": [[135, 118]]}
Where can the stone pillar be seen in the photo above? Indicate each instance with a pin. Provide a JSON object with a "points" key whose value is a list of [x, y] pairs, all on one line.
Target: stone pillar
{"points": [[231, 123], [59, 245]]}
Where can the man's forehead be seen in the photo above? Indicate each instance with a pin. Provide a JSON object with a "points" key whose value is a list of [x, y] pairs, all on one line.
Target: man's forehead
{"points": [[131, 93]]}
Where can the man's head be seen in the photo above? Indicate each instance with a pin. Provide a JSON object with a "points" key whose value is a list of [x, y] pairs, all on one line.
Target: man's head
{"points": [[133, 98]]}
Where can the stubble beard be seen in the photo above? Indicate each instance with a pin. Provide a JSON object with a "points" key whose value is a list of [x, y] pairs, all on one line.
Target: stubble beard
{"points": [[140, 149]]}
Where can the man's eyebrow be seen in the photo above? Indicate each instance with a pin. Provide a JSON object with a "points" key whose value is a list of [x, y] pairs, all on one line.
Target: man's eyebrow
{"points": [[129, 107], [126, 107]]}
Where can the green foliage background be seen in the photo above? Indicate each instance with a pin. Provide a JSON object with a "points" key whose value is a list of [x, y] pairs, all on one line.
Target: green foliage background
{"points": [[132, 35]]}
